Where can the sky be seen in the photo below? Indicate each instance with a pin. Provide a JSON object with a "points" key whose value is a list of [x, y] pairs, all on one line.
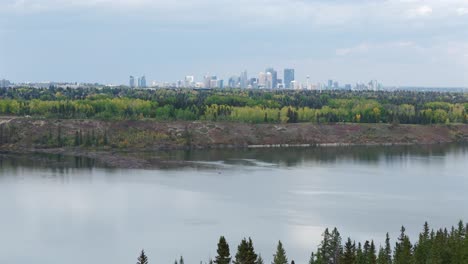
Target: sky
{"points": [[397, 42]]}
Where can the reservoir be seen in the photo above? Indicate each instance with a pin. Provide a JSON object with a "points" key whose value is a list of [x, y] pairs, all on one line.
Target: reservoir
{"points": [[58, 209]]}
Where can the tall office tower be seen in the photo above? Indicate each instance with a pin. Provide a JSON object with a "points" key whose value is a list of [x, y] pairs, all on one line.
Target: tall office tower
{"points": [[330, 84], [274, 77], [132, 82], [336, 85], [232, 82], [206, 81], [269, 80], [244, 80], [288, 78], [220, 84], [142, 83], [261, 80], [189, 81]]}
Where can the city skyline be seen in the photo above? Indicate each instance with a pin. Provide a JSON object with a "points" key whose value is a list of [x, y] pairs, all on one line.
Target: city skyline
{"points": [[416, 43]]}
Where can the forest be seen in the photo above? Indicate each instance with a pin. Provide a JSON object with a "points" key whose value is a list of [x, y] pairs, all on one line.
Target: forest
{"points": [[432, 246], [235, 105]]}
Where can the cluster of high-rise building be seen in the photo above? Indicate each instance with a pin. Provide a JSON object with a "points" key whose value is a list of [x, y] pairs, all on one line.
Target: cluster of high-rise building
{"points": [[140, 84], [268, 79]]}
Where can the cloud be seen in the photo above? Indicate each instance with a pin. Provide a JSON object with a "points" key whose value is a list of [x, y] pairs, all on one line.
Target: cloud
{"points": [[461, 11], [420, 11]]}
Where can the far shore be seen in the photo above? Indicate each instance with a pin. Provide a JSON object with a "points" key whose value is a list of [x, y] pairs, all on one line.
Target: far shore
{"points": [[115, 143]]}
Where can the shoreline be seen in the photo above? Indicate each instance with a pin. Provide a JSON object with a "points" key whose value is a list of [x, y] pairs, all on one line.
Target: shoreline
{"points": [[122, 143]]}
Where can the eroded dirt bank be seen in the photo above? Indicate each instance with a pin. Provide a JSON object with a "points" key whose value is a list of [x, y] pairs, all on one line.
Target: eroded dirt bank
{"points": [[113, 142]]}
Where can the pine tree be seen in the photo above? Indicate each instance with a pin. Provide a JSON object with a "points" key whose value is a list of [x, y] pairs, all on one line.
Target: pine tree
{"points": [[245, 253], [142, 259], [403, 249], [371, 256], [349, 255], [223, 257], [251, 255], [77, 139], [260, 259], [421, 251], [181, 261], [360, 259], [312, 259], [280, 256], [335, 246]]}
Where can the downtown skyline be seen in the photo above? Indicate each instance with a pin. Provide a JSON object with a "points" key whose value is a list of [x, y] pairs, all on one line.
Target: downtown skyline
{"points": [[400, 43]]}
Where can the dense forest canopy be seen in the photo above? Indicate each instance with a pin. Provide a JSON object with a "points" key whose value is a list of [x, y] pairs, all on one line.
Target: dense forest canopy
{"points": [[253, 106]]}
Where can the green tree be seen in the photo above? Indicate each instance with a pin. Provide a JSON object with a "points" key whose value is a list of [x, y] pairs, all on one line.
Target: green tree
{"points": [[403, 249], [142, 259], [224, 256], [260, 259], [245, 253], [280, 256], [349, 254]]}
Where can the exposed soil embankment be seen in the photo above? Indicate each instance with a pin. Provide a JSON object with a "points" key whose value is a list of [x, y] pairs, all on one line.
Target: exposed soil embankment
{"points": [[101, 138]]}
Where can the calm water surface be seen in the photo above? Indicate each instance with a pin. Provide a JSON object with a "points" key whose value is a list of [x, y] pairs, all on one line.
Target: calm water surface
{"points": [[70, 210]]}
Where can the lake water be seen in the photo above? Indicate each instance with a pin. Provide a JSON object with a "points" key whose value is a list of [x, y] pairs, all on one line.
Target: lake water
{"points": [[71, 210]]}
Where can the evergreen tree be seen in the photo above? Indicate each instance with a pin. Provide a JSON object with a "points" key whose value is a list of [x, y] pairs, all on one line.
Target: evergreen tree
{"points": [[142, 259], [403, 249], [421, 251], [371, 256], [181, 261], [312, 259], [360, 259], [335, 246], [251, 255], [349, 254], [245, 253], [280, 256], [223, 257], [77, 139], [260, 259]]}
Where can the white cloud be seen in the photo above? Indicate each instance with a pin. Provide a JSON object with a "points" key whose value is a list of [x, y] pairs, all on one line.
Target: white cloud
{"points": [[420, 11], [461, 11]]}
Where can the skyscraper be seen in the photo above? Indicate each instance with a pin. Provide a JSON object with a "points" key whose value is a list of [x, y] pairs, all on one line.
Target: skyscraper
{"points": [[244, 81], [132, 82], [288, 78], [274, 77], [189, 81], [261, 80], [142, 83]]}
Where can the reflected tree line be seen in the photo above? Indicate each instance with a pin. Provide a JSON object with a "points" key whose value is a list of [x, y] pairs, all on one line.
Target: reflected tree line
{"points": [[442, 246]]}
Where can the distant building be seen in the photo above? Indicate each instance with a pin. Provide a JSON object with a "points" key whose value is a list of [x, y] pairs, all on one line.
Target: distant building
{"points": [[269, 81], [189, 81], [288, 78], [4, 83], [233, 82], [261, 80], [274, 77], [142, 82], [347, 86], [132, 82], [330, 84], [336, 85], [244, 80]]}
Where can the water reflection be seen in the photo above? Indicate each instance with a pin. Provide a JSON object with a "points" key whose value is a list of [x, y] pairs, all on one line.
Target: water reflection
{"points": [[56, 207]]}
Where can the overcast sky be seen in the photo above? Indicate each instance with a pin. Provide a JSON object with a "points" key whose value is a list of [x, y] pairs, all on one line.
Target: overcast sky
{"points": [[398, 42]]}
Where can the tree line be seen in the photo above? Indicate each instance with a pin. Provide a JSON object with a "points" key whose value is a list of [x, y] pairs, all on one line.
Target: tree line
{"points": [[432, 247], [252, 106]]}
